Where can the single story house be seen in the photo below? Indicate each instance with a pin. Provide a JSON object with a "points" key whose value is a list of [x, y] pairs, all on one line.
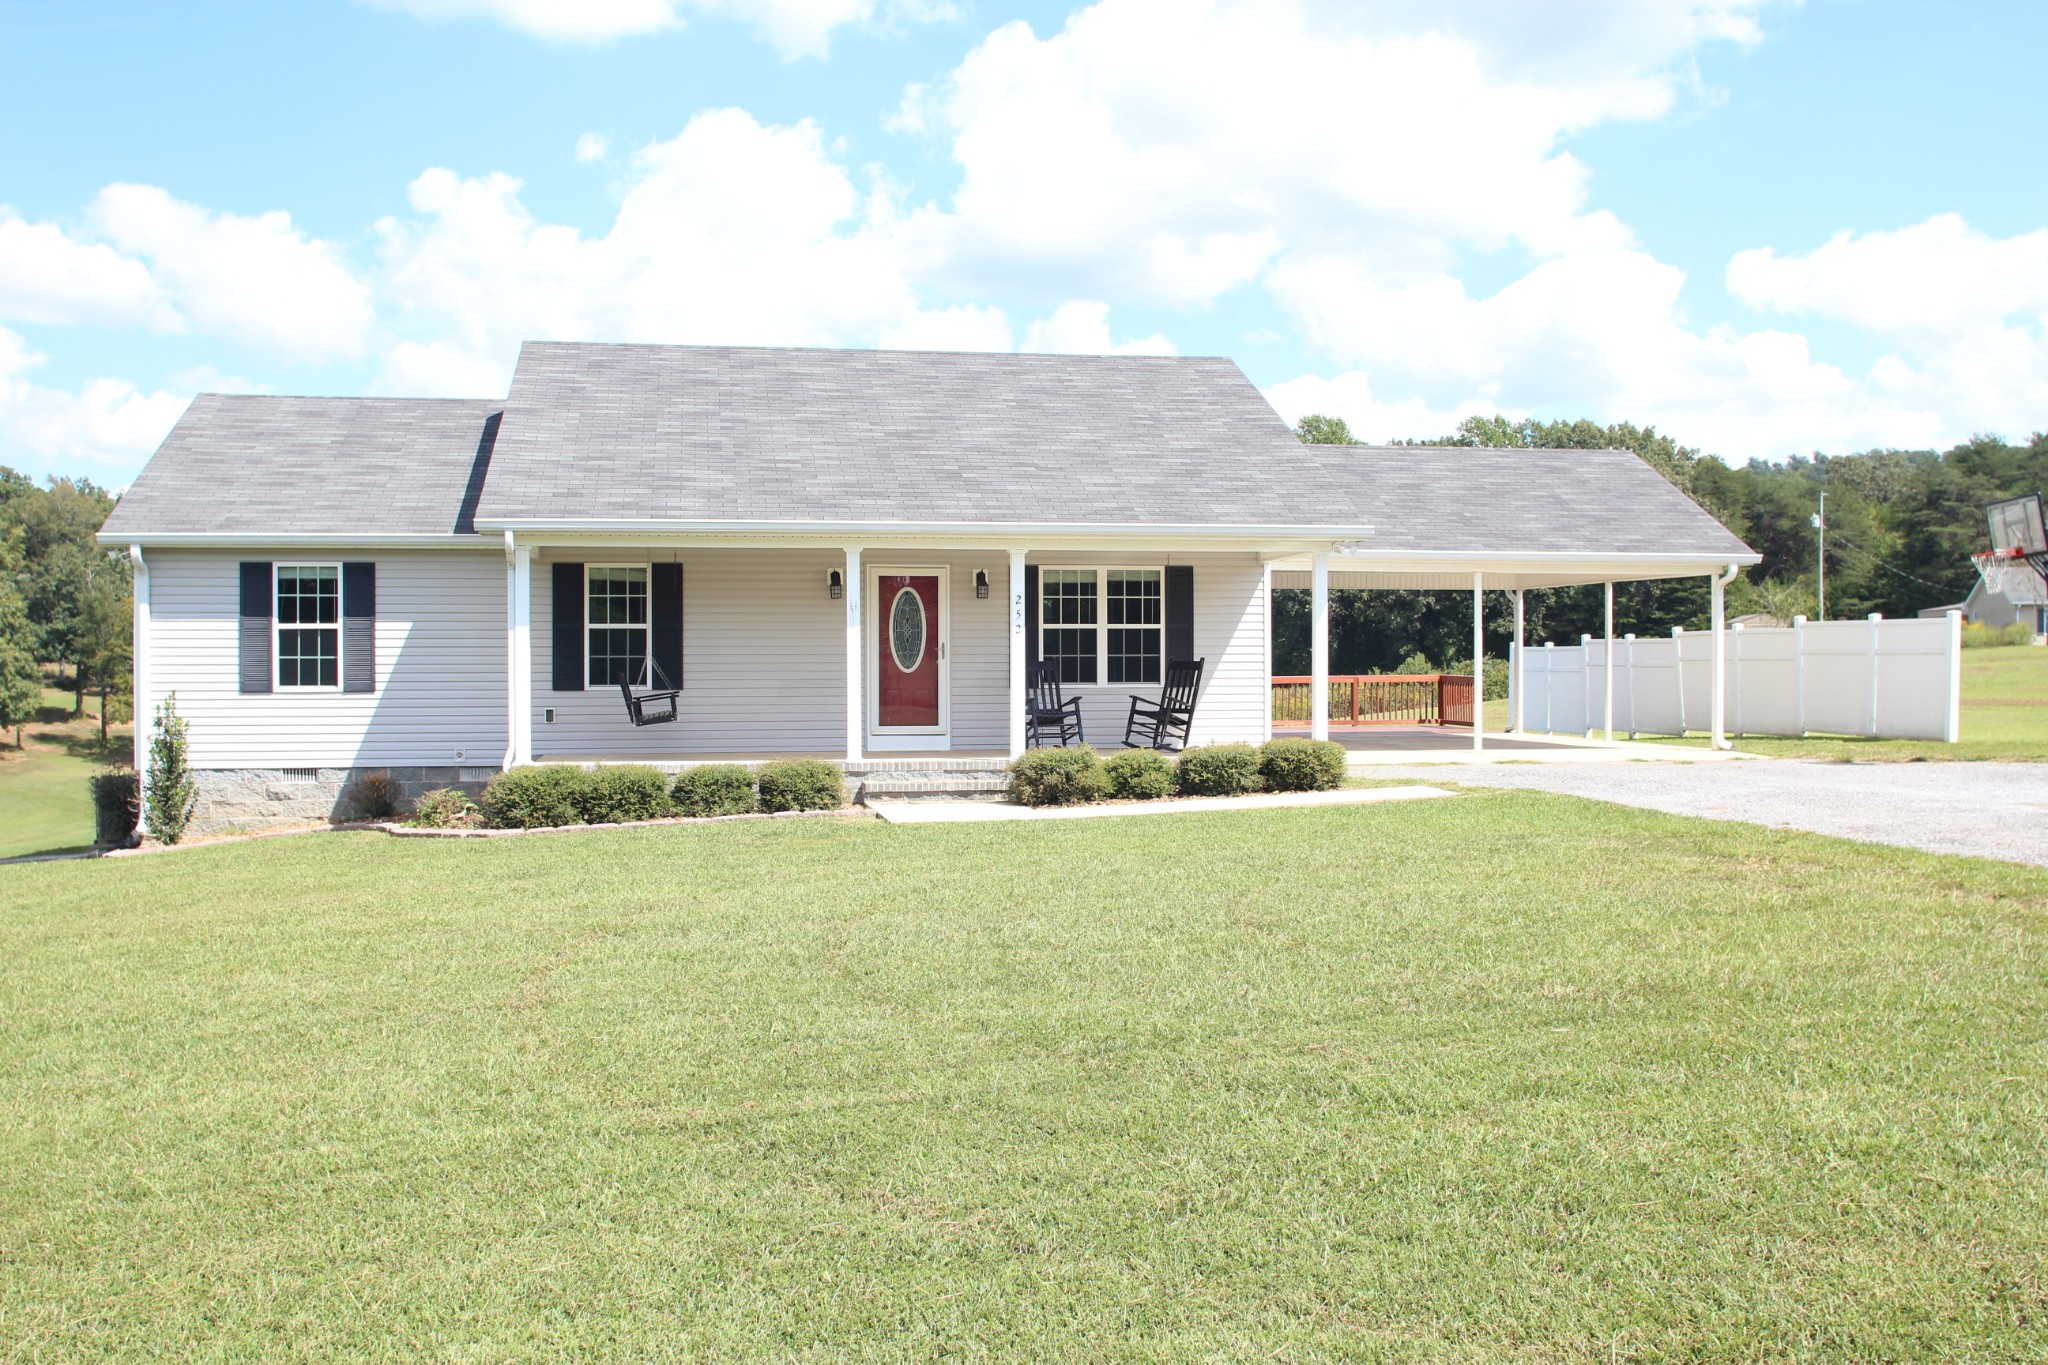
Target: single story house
{"points": [[842, 553], [2022, 600]]}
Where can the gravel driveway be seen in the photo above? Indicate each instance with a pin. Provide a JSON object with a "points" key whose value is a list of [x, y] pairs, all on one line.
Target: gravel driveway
{"points": [[1989, 810]]}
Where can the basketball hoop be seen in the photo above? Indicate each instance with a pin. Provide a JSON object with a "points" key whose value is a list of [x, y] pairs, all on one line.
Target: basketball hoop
{"points": [[2008, 574]]}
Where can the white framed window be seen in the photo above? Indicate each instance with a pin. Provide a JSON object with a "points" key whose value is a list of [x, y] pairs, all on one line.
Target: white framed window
{"points": [[306, 626], [615, 624], [1102, 626]]}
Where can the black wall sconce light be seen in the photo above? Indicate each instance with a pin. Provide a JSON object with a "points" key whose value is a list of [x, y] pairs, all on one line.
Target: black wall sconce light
{"points": [[981, 583], [835, 583]]}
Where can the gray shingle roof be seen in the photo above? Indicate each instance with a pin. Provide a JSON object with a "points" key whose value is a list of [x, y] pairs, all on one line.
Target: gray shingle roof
{"points": [[251, 464], [697, 434], [714, 433]]}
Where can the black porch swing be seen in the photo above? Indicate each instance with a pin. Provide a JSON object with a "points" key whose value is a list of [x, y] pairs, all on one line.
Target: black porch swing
{"points": [[650, 708]]}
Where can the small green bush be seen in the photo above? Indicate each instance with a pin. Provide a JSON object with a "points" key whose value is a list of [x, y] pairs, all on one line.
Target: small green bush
{"points": [[116, 806], [1138, 775], [1978, 636], [621, 792], [1302, 765], [172, 794], [445, 808], [373, 796], [1057, 777], [801, 784], [536, 798], [713, 789], [1219, 770]]}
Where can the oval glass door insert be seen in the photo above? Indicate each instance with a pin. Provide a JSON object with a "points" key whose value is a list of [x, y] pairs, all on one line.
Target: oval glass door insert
{"points": [[907, 630]]}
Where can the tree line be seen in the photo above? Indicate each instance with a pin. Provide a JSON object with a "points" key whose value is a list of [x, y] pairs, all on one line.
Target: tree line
{"points": [[65, 601], [1901, 527]]}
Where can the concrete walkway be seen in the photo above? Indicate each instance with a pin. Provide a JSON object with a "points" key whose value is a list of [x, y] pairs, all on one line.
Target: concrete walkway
{"points": [[1988, 810], [968, 812]]}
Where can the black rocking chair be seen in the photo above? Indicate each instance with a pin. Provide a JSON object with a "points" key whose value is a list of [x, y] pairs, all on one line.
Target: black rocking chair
{"points": [[1047, 716], [1164, 724], [650, 708]]}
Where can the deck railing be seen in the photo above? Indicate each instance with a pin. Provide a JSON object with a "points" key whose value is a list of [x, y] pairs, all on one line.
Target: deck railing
{"points": [[1378, 699]]}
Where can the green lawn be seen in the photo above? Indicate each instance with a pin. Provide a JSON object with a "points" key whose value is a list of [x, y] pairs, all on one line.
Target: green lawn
{"points": [[1505, 1077], [45, 805]]}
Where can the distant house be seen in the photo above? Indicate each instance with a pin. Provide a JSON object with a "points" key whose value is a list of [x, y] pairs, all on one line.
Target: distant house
{"points": [[2023, 601], [850, 553]]}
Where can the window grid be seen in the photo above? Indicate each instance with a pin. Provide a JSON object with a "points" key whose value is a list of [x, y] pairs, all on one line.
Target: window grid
{"points": [[307, 616], [1123, 643], [615, 602]]}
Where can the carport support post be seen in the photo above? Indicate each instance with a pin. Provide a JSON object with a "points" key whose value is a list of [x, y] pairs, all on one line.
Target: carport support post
{"points": [[852, 588], [1017, 607], [1478, 663], [1521, 668], [1319, 651], [1608, 653], [1720, 690]]}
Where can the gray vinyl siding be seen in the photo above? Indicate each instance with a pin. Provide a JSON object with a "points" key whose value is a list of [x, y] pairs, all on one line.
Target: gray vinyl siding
{"points": [[764, 655], [440, 648]]}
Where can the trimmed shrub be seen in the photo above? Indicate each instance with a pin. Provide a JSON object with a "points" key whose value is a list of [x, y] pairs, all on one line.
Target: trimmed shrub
{"points": [[445, 808], [171, 793], [713, 789], [1138, 775], [1219, 770], [373, 796], [1057, 777], [1302, 765], [116, 806], [536, 797], [619, 792], [801, 784]]}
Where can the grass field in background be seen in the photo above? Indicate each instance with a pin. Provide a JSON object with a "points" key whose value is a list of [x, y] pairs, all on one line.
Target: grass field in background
{"points": [[1502, 1077], [45, 805]]}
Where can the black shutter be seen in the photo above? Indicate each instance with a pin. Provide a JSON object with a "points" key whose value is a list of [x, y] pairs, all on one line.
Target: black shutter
{"points": [[1032, 611], [665, 624], [255, 626], [359, 627], [568, 627], [1180, 612]]}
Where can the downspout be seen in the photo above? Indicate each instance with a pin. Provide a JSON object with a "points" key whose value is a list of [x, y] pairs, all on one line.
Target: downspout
{"points": [[140, 671]]}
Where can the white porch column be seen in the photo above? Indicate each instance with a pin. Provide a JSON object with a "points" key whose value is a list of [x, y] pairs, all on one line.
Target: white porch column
{"points": [[141, 669], [1018, 606], [1719, 705], [522, 652], [1319, 651], [1266, 606], [855, 722], [1610, 661], [1521, 668], [1478, 663]]}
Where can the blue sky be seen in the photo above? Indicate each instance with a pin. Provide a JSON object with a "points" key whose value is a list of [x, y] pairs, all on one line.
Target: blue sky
{"points": [[1765, 227]]}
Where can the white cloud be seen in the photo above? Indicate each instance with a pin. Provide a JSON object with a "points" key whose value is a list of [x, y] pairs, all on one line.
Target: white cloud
{"points": [[48, 276], [593, 147], [258, 280], [1173, 150], [1081, 327], [731, 232], [795, 28], [964, 328], [107, 423]]}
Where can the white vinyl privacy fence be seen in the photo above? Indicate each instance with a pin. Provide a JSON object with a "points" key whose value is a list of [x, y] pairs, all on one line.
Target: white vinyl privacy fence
{"points": [[1891, 679]]}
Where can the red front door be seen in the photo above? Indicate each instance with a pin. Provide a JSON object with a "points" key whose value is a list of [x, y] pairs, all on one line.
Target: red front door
{"points": [[907, 645]]}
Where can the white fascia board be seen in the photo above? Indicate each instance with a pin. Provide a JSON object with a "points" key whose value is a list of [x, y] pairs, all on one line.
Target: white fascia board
{"points": [[214, 540], [1514, 561], [843, 529], [1250, 539]]}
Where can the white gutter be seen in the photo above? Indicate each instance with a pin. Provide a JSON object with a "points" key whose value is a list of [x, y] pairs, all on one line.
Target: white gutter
{"points": [[203, 540], [925, 528]]}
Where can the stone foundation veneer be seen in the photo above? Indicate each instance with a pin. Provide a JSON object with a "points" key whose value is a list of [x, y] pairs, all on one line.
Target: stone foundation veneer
{"points": [[232, 799]]}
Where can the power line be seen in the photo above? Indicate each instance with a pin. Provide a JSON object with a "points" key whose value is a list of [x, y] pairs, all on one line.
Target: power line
{"points": [[1845, 545]]}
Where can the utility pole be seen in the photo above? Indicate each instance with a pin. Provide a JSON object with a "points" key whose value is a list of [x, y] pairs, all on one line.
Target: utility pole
{"points": [[1820, 524]]}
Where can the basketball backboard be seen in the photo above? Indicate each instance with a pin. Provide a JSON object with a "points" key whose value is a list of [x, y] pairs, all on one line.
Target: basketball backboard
{"points": [[2016, 525]]}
